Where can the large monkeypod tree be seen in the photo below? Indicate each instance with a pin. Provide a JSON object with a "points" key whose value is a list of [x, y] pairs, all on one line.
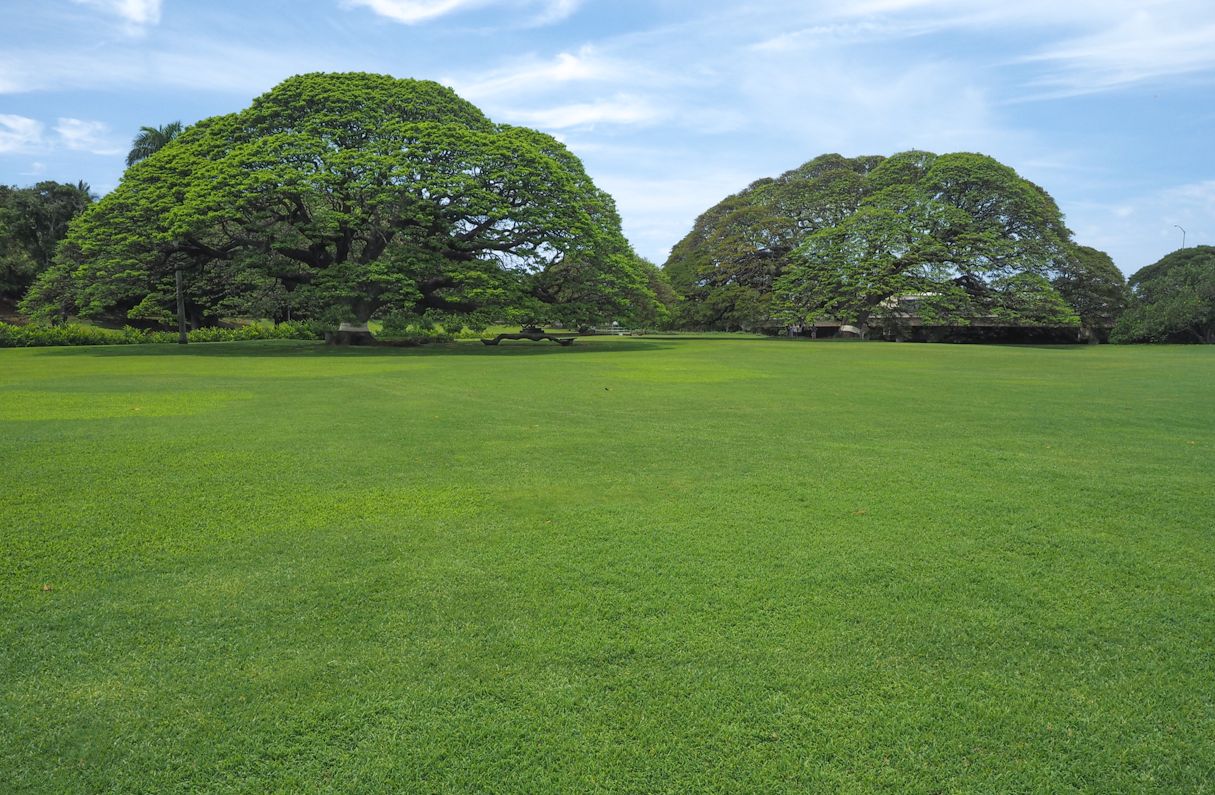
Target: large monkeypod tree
{"points": [[949, 239], [1172, 300], [1094, 286], [347, 197], [955, 238], [725, 268]]}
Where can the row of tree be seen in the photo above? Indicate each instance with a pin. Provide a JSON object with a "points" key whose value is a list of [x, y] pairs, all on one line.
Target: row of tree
{"points": [[33, 220], [348, 197]]}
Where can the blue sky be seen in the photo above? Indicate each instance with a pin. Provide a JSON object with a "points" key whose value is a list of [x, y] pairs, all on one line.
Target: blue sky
{"points": [[672, 104]]}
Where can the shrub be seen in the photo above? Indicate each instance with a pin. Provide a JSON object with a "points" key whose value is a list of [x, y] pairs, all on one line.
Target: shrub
{"points": [[34, 336], [76, 334], [404, 330]]}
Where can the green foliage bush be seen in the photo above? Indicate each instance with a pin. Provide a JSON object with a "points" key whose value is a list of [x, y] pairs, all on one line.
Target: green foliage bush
{"points": [[34, 336], [405, 330]]}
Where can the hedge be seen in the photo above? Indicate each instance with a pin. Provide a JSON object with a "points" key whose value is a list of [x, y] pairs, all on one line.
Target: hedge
{"points": [[33, 336]]}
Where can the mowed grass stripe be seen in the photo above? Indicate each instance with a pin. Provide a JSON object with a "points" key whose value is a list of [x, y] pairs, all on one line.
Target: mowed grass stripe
{"points": [[630, 565]]}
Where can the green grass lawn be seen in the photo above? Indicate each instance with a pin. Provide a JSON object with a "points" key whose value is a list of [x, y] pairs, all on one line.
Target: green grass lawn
{"points": [[631, 565]]}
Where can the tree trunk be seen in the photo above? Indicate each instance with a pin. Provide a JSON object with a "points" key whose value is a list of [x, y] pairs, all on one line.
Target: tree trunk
{"points": [[356, 332], [862, 323], [182, 337]]}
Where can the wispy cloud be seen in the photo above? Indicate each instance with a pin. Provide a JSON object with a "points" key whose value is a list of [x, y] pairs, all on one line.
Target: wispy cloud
{"points": [[1090, 46], [845, 32], [203, 65], [86, 136], [137, 14], [1139, 49], [620, 109], [577, 89], [413, 12], [530, 75], [19, 133]]}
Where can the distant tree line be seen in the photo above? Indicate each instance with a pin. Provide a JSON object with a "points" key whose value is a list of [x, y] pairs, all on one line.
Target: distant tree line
{"points": [[33, 220]]}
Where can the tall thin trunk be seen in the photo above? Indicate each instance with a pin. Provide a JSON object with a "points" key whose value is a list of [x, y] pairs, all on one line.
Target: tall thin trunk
{"points": [[182, 337]]}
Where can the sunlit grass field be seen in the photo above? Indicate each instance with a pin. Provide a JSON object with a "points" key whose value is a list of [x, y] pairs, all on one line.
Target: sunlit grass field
{"points": [[631, 565]]}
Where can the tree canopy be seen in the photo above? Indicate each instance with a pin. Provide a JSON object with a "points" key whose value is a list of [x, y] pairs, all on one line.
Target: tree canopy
{"points": [[866, 240], [348, 197], [726, 266], [32, 222], [1093, 285], [1172, 300]]}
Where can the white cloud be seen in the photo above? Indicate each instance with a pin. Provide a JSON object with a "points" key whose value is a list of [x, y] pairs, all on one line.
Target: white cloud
{"points": [[621, 109], [19, 133], [86, 136], [413, 12], [577, 89], [23, 134], [136, 13], [531, 75]]}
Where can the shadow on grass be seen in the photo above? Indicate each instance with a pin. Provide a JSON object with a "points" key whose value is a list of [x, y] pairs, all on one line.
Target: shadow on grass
{"points": [[1037, 346], [301, 348], [703, 337], [306, 349]]}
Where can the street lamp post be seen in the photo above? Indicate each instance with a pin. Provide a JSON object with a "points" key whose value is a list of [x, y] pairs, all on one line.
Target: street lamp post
{"points": [[1182, 228]]}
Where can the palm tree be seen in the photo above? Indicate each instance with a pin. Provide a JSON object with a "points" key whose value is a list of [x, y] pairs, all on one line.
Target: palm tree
{"points": [[151, 140], [148, 142]]}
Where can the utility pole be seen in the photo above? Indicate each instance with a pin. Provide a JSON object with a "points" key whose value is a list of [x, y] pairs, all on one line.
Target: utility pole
{"points": [[1182, 228]]}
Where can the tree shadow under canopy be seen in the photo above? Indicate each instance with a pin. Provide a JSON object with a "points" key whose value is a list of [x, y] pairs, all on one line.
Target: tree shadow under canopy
{"points": [[304, 349]]}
